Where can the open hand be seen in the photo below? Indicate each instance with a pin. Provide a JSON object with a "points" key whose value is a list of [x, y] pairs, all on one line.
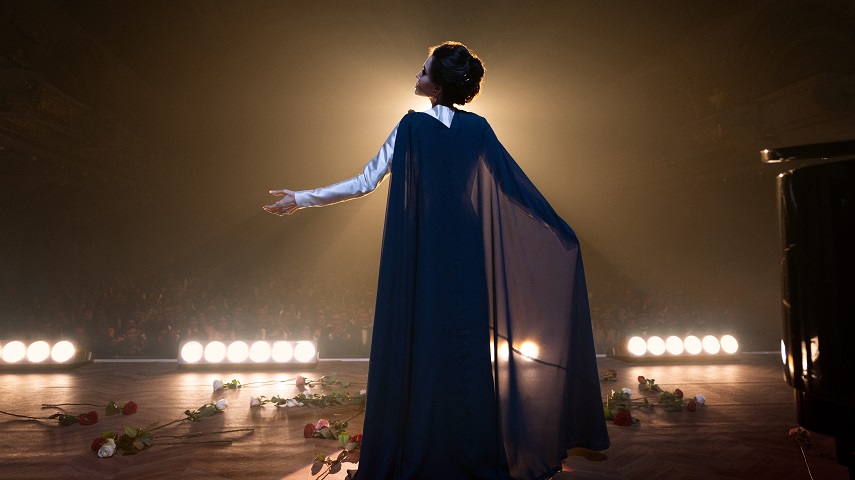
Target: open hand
{"points": [[285, 206]]}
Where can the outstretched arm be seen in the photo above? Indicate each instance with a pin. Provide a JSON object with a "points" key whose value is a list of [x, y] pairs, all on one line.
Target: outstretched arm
{"points": [[373, 173]]}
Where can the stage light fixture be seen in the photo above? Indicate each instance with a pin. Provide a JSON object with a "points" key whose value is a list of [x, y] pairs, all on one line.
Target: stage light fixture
{"points": [[259, 354], [674, 345], [637, 346], [42, 355], [676, 349], [656, 345], [729, 344], [711, 344], [530, 350], [693, 345]]}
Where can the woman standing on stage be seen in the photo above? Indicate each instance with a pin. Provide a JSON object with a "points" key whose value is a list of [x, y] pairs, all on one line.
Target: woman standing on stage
{"points": [[482, 363]]}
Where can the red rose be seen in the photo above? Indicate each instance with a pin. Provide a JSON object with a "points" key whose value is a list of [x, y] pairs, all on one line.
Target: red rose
{"points": [[96, 444], [309, 430], [130, 408], [678, 393], [691, 405], [623, 419], [90, 418], [357, 439], [641, 379]]}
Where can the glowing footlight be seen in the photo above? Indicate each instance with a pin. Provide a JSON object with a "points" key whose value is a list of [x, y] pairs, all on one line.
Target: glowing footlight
{"points": [[38, 352], [783, 352], [13, 352], [304, 352], [215, 352], [529, 350], [259, 352], [693, 345], [192, 352], [674, 345], [637, 346], [711, 344], [504, 351], [283, 352], [237, 352], [729, 344], [656, 345], [62, 351]]}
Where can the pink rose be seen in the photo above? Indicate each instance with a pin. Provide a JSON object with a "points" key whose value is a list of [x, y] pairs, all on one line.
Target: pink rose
{"points": [[301, 381], [321, 424]]}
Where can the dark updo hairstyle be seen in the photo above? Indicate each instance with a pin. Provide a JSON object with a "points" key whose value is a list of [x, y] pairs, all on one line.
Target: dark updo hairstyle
{"points": [[458, 71]]}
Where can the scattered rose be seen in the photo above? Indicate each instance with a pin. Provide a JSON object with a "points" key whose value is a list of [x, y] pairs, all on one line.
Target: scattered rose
{"points": [[292, 403], [309, 430], [300, 381], [362, 392], [678, 393], [108, 448], [96, 444], [218, 385], [627, 392], [321, 424], [623, 419], [254, 402], [90, 418], [129, 408], [641, 379], [700, 399], [691, 405], [221, 404], [357, 439]]}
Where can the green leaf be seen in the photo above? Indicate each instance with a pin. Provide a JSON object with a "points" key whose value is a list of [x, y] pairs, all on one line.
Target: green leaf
{"points": [[112, 408], [345, 383], [131, 431], [343, 439], [318, 465]]}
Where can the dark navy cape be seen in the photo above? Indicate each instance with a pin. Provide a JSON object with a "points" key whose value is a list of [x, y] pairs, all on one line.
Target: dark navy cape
{"points": [[476, 268]]}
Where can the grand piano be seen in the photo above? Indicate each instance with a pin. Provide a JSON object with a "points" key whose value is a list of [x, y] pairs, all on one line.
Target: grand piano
{"points": [[817, 217]]}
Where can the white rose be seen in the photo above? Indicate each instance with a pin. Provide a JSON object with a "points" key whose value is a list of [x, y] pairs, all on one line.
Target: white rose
{"points": [[627, 392], [362, 392], [254, 402], [221, 404], [292, 403], [108, 449], [700, 398], [218, 385]]}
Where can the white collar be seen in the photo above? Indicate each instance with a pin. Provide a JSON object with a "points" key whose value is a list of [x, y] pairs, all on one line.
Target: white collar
{"points": [[442, 113]]}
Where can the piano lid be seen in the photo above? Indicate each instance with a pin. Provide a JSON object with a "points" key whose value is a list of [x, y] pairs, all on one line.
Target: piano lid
{"points": [[841, 150]]}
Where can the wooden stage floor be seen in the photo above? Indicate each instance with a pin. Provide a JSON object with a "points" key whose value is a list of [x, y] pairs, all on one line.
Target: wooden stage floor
{"points": [[741, 432]]}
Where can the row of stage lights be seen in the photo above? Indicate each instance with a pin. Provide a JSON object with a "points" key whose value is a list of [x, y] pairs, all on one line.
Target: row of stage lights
{"points": [[258, 353], [65, 354], [61, 354], [690, 345]]}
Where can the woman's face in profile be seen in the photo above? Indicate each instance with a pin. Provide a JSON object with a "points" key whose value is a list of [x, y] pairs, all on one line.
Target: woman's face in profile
{"points": [[425, 86]]}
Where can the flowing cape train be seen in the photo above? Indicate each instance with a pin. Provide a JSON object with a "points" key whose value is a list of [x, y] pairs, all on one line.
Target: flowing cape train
{"points": [[482, 362]]}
